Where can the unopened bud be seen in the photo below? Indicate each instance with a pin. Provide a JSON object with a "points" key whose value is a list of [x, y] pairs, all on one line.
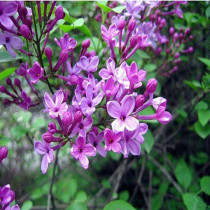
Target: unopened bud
{"points": [[171, 31], [52, 128], [139, 101], [9, 81], [121, 24], [67, 118], [2, 89], [190, 37], [78, 116], [177, 55], [176, 36], [86, 43], [64, 55], [187, 31], [134, 41], [190, 49], [25, 32], [6, 101], [17, 82], [131, 24], [151, 85], [48, 52], [181, 30], [3, 153], [59, 14]]}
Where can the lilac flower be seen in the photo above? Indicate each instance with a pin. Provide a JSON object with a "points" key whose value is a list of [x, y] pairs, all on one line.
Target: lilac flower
{"points": [[108, 72], [81, 150], [3, 153], [55, 106], [88, 103], [96, 140], [23, 69], [89, 65], [11, 42], [163, 116], [133, 8], [109, 88], [121, 113], [26, 103], [7, 9], [131, 140], [66, 43], [44, 148], [110, 34], [36, 72], [82, 127], [112, 140]]}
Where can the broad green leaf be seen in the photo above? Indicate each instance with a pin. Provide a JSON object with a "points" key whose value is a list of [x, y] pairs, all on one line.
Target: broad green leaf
{"points": [[76, 24], [7, 72], [18, 131], [38, 123], [192, 84], [4, 141], [27, 205], [77, 206], [201, 105], [148, 142], [156, 201], [203, 132], [118, 204], [6, 57], [81, 196], [22, 116], [205, 184], [181, 112], [208, 12], [206, 61], [124, 195], [193, 202], [118, 9], [204, 116], [104, 7], [150, 67], [183, 174]]}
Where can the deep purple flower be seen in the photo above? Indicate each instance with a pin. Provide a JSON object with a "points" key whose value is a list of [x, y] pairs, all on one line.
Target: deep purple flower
{"points": [[122, 114], [3, 153], [36, 72], [112, 140], [11, 42], [26, 103], [66, 42], [7, 9], [110, 34], [44, 148], [96, 140], [22, 71], [55, 106], [89, 65], [81, 150]]}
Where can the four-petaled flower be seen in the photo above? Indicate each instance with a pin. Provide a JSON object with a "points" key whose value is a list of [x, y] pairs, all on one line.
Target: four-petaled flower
{"points": [[81, 150], [36, 72]]}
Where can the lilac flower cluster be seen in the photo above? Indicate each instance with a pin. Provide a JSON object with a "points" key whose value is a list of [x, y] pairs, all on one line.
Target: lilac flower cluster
{"points": [[115, 97]]}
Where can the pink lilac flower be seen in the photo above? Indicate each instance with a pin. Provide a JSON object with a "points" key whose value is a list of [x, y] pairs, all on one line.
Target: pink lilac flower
{"points": [[131, 140], [55, 106], [81, 150], [44, 148], [3, 153], [96, 141], [112, 140], [89, 65], [11, 42], [7, 9], [121, 113], [36, 72], [66, 42]]}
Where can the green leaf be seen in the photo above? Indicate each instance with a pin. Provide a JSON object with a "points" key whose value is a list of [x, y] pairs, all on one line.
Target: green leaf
{"points": [[118, 9], [206, 61], [118, 204], [182, 113], [192, 84], [106, 184], [150, 67], [124, 195], [18, 131], [142, 54], [77, 206], [201, 105], [148, 141], [22, 116], [156, 201], [81, 196], [38, 123], [104, 7], [183, 174], [6, 57], [27, 205], [205, 184], [203, 132], [203, 116], [208, 12], [75, 25], [7, 72], [193, 202]]}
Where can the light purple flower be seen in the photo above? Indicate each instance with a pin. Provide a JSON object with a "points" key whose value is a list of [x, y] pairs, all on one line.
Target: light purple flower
{"points": [[55, 106], [122, 114], [110, 68], [44, 148], [96, 140], [89, 65], [133, 8], [81, 150], [112, 140], [110, 34], [36, 72], [109, 88], [66, 43], [163, 116], [11, 42], [7, 196], [7, 9]]}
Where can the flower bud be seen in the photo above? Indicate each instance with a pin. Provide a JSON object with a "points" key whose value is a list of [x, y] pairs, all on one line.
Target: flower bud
{"points": [[86, 43], [151, 85], [6, 101], [158, 51], [24, 31], [9, 81], [23, 11], [48, 52], [64, 55], [52, 128], [176, 36], [187, 31], [191, 37], [134, 41], [67, 118], [177, 55], [171, 31], [163, 22], [78, 116], [131, 24], [28, 22], [59, 14], [17, 82], [190, 49], [181, 30], [3, 153], [121, 24], [2, 89], [95, 130], [139, 101], [181, 35], [74, 80]]}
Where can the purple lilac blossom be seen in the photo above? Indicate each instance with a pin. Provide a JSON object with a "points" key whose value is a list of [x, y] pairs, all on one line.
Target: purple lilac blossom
{"points": [[3, 153], [133, 8], [81, 150], [44, 148], [11, 42], [89, 65], [26, 101], [36, 72]]}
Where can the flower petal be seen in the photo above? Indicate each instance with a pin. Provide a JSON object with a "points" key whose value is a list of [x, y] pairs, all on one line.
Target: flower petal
{"points": [[44, 164], [16, 42], [131, 123], [134, 147], [118, 125], [116, 147], [84, 161], [114, 109], [128, 104], [59, 98], [48, 101], [40, 148], [89, 150]]}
